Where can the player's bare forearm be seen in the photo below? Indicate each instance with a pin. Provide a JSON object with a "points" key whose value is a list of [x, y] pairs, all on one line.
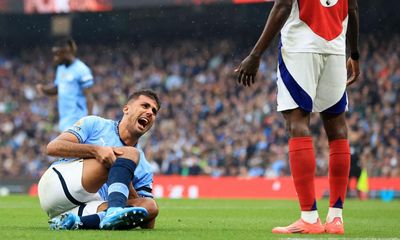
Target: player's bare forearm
{"points": [[63, 148], [353, 26], [248, 68], [353, 67], [50, 89], [89, 100], [67, 145], [276, 19]]}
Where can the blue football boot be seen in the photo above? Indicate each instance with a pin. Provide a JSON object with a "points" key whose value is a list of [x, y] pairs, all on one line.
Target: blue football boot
{"points": [[118, 218], [66, 221]]}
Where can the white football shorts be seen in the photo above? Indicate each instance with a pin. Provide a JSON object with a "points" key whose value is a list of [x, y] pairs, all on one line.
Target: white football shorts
{"points": [[60, 190], [311, 81]]}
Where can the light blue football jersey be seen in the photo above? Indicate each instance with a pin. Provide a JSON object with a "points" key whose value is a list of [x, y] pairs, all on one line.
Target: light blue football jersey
{"points": [[104, 132], [71, 81]]}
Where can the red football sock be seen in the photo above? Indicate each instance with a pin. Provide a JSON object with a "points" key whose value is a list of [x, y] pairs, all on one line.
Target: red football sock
{"points": [[302, 166], [339, 167]]}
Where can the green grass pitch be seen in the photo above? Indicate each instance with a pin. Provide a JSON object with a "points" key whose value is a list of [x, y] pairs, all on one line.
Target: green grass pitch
{"points": [[22, 218]]}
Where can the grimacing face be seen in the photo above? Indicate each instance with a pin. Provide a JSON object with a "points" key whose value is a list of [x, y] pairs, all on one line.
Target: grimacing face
{"points": [[141, 114]]}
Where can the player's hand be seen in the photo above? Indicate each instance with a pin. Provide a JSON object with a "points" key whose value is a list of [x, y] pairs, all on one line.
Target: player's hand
{"points": [[107, 155], [248, 70], [39, 89], [118, 151], [353, 70]]}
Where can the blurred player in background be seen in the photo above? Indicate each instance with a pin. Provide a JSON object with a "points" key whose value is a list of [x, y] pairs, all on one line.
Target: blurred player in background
{"points": [[72, 84], [102, 169], [312, 78]]}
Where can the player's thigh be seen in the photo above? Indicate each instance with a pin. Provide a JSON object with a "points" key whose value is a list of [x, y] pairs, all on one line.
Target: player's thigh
{"points": [[331, 91], [60, 188], [297, 79], [51, 194], [94, 175]]}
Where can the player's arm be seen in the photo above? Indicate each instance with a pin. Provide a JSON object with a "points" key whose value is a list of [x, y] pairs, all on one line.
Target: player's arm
{"points": [[276, 19], [89, 99], [352, 38], [279, 14], [50, 89], [86, 83], [67, 145]]}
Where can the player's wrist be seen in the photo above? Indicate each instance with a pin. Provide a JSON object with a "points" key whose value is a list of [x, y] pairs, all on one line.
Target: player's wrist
{"points": [[255, 54], [95, 150], [355, 55]]}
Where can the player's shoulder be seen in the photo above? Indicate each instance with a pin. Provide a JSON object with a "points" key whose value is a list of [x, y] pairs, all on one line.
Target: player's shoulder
{"points": [[78, 64], [94, 119], [94, 124], [60, 67]]}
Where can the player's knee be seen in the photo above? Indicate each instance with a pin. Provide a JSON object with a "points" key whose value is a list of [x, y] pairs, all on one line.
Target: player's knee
{"points": [[297, 129], [130, 153], [152, 209], [150, 205], [335, 126], [297, 122], [338, 132]]}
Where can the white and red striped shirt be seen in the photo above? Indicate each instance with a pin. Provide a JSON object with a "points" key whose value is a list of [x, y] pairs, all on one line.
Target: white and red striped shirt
{"points": [[316, 26]]}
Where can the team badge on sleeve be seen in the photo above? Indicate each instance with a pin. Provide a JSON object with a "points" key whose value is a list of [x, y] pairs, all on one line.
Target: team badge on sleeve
{"points": [[77, 125]]}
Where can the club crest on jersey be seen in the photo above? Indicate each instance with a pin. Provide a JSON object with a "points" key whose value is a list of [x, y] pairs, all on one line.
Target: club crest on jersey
{"points": [[328, 3], [78, 123], [67, 76]]}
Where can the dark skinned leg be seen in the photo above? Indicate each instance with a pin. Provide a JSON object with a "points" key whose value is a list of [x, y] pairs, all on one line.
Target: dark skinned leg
{"points": [[297, 122], [339, 161], [302, 160], [335, 126]]}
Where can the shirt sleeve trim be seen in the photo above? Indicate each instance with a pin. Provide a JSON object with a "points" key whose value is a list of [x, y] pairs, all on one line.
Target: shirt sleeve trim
{"points": [[76, 135]]}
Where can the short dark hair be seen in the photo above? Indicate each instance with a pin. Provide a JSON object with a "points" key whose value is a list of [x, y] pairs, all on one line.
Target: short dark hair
{"points": [[67, 42], [145, 92]]}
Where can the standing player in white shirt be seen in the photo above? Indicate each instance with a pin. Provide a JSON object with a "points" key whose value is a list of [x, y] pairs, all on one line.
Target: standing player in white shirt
{"points": [[312, 77]]}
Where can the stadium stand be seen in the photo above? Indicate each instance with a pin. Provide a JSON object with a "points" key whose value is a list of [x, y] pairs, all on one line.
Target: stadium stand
{"points": [[209, 125]]}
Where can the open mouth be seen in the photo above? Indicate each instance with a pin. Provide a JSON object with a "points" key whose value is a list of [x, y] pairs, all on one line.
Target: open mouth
{"points": [[143, 122]]}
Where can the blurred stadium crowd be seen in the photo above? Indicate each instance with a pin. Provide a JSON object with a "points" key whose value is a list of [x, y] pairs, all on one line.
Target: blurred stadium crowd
{"points": [[208, 124]]}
